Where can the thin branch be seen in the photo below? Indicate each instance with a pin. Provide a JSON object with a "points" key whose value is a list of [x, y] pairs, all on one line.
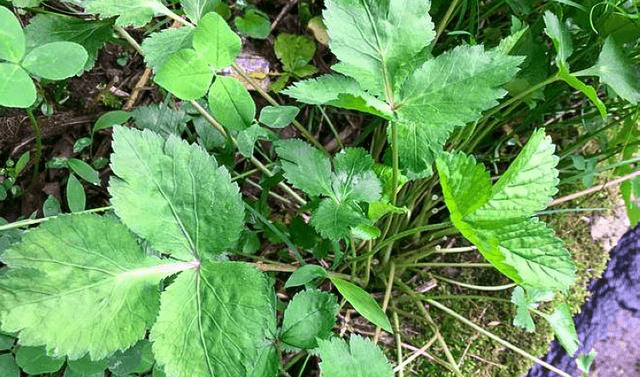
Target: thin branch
{"points": [[594, 189]]}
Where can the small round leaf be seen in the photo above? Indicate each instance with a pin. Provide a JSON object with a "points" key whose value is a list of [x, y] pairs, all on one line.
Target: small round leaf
{"points": [[56, 60], [16, 87]]}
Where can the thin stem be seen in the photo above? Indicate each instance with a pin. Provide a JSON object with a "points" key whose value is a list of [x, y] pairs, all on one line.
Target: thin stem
{"points": [[23, 223], [594, 189], [409, 232], [477, 287], [36, 164], [387, 296], [496, 338], [333, 129], [124, 34], [415, 354], [445, 21], [396, 324], [395, 162], [461, 265]]}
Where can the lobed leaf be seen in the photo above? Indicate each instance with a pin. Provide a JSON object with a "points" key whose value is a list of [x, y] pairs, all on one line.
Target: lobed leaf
{"points": [[615, 70], [294, 51], [360, 357], [310, 315], [12, 41], [174, 194], [354, 178], [305, 167], [215, 42], [334, 220], [78, 278], [222, 315]]}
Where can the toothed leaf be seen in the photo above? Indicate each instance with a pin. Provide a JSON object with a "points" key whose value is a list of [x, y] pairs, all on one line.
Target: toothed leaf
{"points": [[359, 357]]}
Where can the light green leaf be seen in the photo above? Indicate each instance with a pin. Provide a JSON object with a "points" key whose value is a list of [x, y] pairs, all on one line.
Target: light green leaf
{"points": [[161, 119], [560, 37], [78, 278], [16, 87], [615, 70], [174, 194], [246, 139], [22, 162], [195, 9], [507, 44], [76, 198], [305, 167], [362, 302], [522, 248], [358, 358], [87, 367], [446, 92], [382, 207], [84, 170], [294, 51], [80, 144], [56, 60], [110, 119], [334, 220], [51, 207], [8, 366], [564, 328], [12, 42], [278, 116], [524, 301], [158, 47], [231, 104], [254, 23], [91, 34], [340, 91], [311, 314], [185, 74], [373, 39], [131, 12], [587, 90], [305, 275], [354, 178], [226, 326], [215, 42], [584, 361], [34, 360]]}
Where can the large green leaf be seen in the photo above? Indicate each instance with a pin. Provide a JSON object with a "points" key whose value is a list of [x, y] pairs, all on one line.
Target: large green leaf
{"points": [[231, 104], [359, 358], [174, 194], [185, 74], [130, 12], [498, 221], [218, 320], [91, 34], [77, 279], [305, 166], [215, 42], [311, 314], [158, 47], [56, 60], [448, 91], [374, 38], [16, 87], [12, 42]]}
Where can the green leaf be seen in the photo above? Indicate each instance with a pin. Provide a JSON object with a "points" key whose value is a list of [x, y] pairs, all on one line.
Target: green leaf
{"points": [[87, 367], [358, 358], [76, 198], [16, 88], [294, 51], [185, 74], [373, 39], [247, 138], [81, 144], [497, 219], [524, 301], [278, 116], [51, 207], [587, 90], [12, 42], [34, 360], [91, 34], [174, 194], [447, 92], [110, 119], [84, 170], [195, 9], [158, 47], [615, 70], [8, 366], [305, 71], [562, 323], [231, 104], [78, 278], [354, 178], [225, 325], [310, 315], [560, 37], [362, 302], [215, 42], [340, 91], [22, 163], [305, 275], [6, 342], [584, 361], [161, 119], [123, 363], [56, 60], [254, 23], [334, 220], [131, 12], [305, 167]]}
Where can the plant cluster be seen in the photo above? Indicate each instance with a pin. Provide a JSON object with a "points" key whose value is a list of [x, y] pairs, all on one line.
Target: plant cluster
{"points": [[168, 281]]}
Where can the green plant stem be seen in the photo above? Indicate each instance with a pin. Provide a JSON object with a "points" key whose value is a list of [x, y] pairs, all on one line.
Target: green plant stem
{"points": [[394, 161], [415, 355], [477, 287], [24, 223], [409, 232], [385, 300], [591, 190], [445, 21], [273, 102], [36, 163], [333, 129], [455, 265], [467, 297], [304, 365], [496, 338], [396, 324]]}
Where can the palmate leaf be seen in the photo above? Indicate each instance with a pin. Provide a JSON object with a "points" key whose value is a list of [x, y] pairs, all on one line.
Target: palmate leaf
{"points": [[373, 39], [174, 194], [77, 279], [217, 320], [359, 358], [522, 248]]}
